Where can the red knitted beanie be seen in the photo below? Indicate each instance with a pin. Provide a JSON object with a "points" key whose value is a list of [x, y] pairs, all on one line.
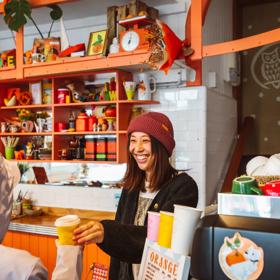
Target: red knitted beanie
{"points": [[157, 125]]}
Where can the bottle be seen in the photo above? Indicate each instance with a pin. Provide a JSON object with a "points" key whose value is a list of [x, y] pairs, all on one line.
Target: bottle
{"points": [[72, 121]]}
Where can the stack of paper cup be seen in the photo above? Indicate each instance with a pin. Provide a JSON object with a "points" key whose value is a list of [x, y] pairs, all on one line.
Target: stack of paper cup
{"points": [[165, 229], [184, 225], [153, 225], [65, 227]]}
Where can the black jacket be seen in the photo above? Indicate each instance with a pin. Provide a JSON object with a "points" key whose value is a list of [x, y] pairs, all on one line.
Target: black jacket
{"points": [[123, 241]]}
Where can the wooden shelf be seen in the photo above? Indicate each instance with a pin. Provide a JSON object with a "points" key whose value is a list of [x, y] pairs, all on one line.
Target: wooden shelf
{"points": [[33, 106], [86, 161], [65, 161], [85, 133], [84, 64], [147, 102], [8, 73], [31, 160], [82, 104], [27, 134]]}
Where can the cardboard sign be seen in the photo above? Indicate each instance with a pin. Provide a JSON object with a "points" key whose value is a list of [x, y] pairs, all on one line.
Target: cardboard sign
{"points": [[160, 263]]}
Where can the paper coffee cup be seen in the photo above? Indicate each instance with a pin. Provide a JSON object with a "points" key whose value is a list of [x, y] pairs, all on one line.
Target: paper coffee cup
{"points": [[65, 227], [153, 225], [165, 229], [184, 225]]}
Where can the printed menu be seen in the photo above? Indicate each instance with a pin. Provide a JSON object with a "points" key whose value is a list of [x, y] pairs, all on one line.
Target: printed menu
{"points": [[159, 263]]}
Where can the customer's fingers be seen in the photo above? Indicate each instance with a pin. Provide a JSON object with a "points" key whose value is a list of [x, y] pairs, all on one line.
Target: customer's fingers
{"points": [[83, 227], [94, 237], [91, 232]]}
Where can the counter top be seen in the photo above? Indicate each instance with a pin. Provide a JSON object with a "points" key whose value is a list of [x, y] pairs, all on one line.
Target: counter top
{"points": [[44, 224]]}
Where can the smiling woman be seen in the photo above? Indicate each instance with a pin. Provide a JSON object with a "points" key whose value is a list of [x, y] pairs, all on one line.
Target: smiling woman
{"points": [[150, 184]]}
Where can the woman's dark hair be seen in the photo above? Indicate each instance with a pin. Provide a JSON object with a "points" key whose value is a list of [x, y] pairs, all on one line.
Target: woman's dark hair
{"points": [[162, 171]]}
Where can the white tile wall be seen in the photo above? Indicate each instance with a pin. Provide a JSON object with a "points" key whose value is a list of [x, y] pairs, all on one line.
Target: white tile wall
{"points": [[86, 198]]}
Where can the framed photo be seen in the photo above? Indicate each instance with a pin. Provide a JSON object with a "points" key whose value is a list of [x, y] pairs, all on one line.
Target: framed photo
{"points": [[97, 42], [35, 88], [48, 48]]}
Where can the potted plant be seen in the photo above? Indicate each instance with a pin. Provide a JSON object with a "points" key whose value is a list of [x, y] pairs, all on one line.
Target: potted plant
{"points": [[16, 14]]}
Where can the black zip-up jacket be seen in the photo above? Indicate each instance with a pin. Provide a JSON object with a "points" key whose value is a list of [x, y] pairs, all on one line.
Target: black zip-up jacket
{"points": [[123, 241]]}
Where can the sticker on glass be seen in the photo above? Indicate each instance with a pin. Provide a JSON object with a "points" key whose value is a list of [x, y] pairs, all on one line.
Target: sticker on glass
{"points": [[240, 258]]}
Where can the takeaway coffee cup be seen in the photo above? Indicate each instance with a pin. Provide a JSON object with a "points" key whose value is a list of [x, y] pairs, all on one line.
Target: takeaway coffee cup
{"points": [[184, 225], [65, 227], [165, 229], [153, 225], [245, 185]]}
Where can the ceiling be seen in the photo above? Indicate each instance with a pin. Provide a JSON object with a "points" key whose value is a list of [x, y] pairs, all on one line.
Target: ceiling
{"points": [[83, 9]]}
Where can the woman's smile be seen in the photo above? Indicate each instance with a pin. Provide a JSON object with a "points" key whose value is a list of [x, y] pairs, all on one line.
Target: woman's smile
{"points": [[141, 148]]}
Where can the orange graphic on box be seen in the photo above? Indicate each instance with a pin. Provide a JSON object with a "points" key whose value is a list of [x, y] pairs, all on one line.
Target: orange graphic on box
{"points": [[240, 258]]}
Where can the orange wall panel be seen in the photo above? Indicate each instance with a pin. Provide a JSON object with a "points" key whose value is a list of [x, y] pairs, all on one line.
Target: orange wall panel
{"points": [[44, 247]]}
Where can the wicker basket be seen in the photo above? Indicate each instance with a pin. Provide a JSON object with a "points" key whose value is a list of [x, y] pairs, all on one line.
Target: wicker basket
{"points": [[264, 179]]}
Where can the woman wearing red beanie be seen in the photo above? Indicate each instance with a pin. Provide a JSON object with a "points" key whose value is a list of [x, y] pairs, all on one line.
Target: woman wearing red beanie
{"points": [[150, 184]]}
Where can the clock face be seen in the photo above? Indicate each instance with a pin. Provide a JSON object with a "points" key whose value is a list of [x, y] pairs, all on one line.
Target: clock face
{"points": [[130, 41]]}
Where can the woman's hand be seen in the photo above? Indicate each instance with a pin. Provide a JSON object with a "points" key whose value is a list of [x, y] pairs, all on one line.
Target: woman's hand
{"points": [[92, 232]]}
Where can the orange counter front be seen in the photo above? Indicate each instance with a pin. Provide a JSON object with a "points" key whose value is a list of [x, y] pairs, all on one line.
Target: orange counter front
{"points": [[43, 245]]}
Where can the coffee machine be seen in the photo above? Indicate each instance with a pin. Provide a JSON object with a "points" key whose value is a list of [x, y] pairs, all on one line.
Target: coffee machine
{"points": [[236, 247]]}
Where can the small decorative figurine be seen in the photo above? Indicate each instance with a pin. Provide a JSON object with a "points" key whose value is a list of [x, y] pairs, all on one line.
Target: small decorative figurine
{"points": [[29, 150], [107, 91], [28, 57], [76, 96], [112, 87], [114, 47]]}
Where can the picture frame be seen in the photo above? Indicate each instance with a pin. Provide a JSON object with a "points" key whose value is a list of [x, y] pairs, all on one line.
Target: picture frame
{"points": [[35, 88], [49, 48], [97, 43]]}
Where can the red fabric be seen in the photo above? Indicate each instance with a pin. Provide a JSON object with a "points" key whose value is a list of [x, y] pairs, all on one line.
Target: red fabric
{"points": [[173, 45], [76, 48], [157, 125]]}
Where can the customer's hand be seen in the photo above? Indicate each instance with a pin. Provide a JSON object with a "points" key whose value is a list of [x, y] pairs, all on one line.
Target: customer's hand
{"points": [[92, 232]]}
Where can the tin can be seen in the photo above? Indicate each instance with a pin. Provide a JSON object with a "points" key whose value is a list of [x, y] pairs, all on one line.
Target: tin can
{"points": [[62, 93], [111, 148]]}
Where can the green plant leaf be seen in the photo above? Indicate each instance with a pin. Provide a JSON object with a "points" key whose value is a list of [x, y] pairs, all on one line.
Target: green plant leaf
{"points": [[16, 12], [56, 12]]}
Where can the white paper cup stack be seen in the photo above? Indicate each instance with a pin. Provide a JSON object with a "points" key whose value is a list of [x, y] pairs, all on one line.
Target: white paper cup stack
{"points": [[184, 225]]}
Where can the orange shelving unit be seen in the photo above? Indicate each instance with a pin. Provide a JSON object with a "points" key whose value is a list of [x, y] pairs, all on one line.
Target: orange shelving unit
{"points": [[61, 112], [71, 69]]}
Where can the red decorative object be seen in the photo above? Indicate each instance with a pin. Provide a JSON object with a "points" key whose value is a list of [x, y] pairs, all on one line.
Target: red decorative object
{"points": [[173, 45], [110, 112], [24, 98], [72, 49], [272, 188], [91, 121], [61, 95], [60, 126]]}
